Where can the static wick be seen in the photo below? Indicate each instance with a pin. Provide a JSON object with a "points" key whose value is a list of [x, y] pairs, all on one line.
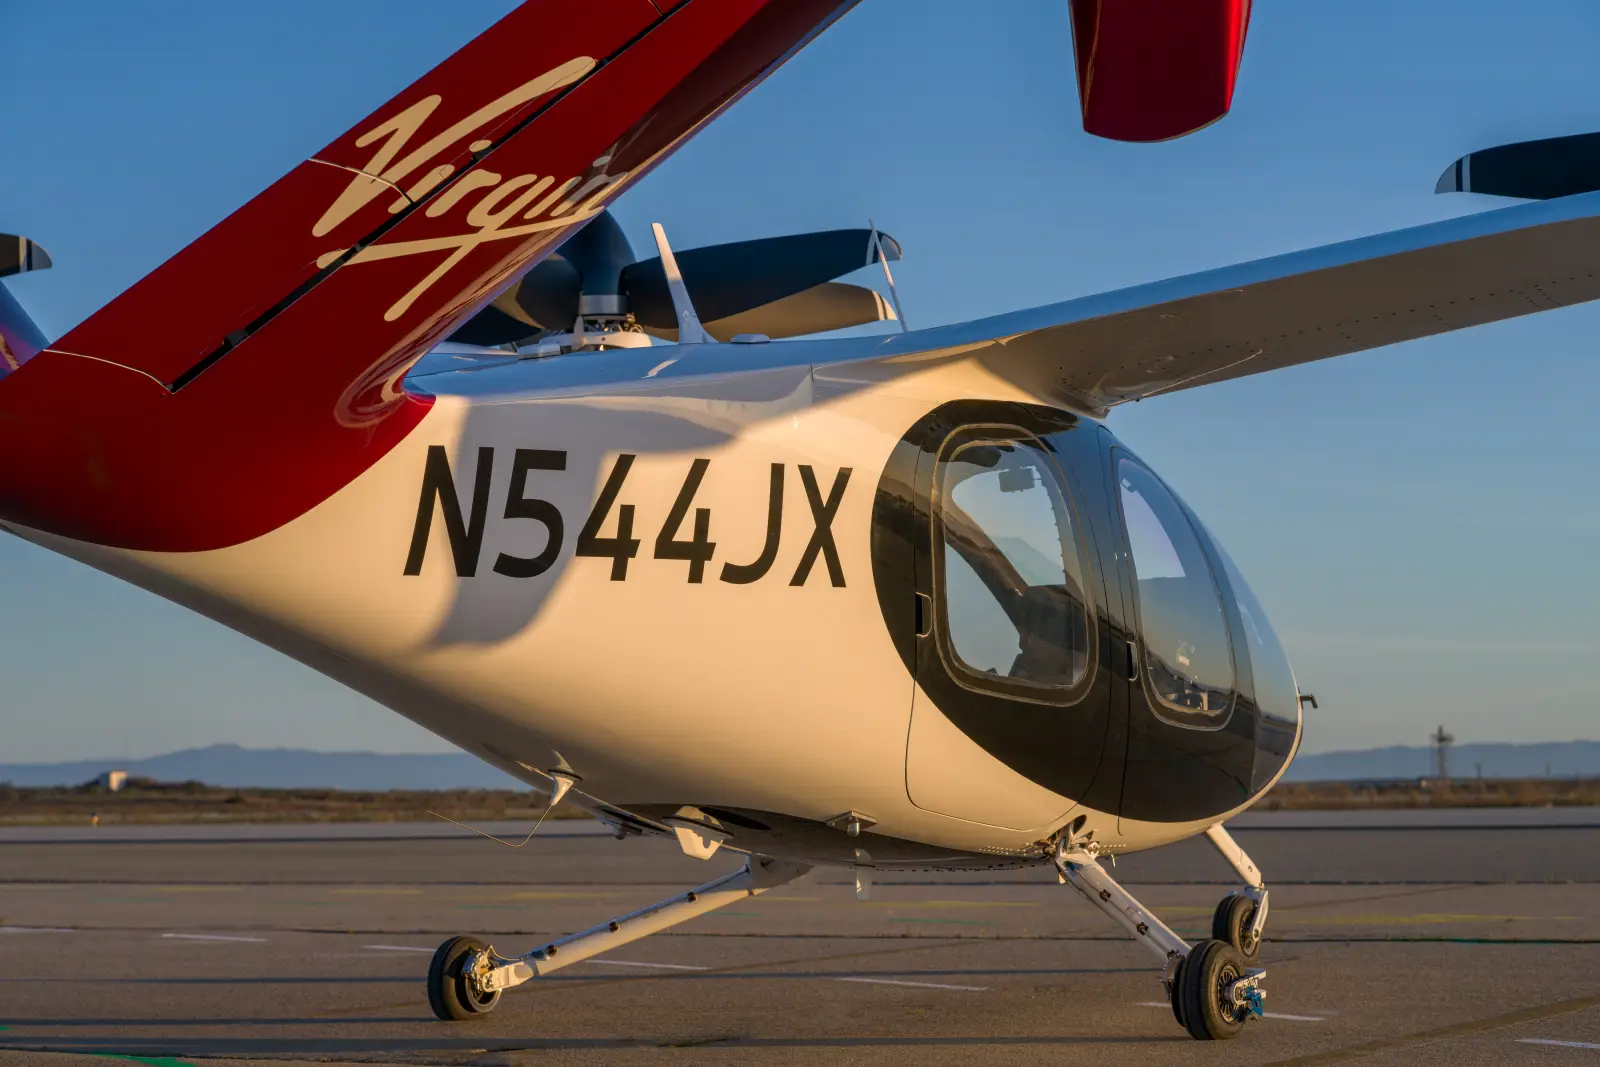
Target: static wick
{"points": [[563, 783]]}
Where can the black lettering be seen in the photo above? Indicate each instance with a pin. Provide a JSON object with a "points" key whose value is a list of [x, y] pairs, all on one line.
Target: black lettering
{"points": [[622, 547], [822, 513], [519, 507], [697, 551], [744, 574], [466, 538]]}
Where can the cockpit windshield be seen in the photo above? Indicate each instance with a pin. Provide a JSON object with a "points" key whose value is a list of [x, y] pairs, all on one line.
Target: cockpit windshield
{"points": [[1188, 659]]}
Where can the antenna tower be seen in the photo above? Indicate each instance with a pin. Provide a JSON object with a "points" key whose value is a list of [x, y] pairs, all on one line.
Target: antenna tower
{"points": [[1441, 752]]}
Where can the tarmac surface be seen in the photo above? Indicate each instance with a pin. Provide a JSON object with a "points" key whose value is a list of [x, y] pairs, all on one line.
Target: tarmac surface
{"points": [[1410, 937]]}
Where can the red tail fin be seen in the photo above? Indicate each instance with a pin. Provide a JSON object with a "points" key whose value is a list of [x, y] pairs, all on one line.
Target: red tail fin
{"points": [[257, 371]]}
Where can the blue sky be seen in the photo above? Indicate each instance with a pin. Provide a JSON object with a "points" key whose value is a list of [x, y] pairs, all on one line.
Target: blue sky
{"points": [[1420, 521]]}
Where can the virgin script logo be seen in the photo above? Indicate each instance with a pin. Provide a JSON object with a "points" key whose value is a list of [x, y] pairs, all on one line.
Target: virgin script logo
{"points": [[506, 206]]}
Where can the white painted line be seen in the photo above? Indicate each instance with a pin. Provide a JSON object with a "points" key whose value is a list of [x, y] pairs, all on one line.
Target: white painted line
{"points": [[870, 981], [214, 937], [35, 930], [1269, 1015], [920, 985], [1552, 1041], [399, 948]]}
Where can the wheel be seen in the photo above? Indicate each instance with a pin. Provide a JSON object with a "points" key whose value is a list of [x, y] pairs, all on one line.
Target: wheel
{"points": [[1231, 923], [1175, 994], [1208, 1012], [450, 994]]}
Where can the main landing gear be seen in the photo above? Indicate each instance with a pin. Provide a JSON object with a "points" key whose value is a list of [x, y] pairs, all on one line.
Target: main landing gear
{"points": [[1212, 987], [467, 976]]}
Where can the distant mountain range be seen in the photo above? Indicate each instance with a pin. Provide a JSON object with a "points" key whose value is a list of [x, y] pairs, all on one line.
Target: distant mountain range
{"points": [[279, 768], [1565, 759], [298, 768]]}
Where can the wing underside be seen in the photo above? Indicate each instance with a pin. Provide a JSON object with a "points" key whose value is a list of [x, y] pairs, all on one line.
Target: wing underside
{"points": [[1100, 351]]}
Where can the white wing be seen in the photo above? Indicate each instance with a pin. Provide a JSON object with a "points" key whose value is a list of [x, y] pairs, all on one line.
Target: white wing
{"points": [[1100, 351]]}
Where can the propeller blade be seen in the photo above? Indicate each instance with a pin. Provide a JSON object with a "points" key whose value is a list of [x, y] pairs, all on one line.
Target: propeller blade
{"points": [[829, 306], [1533, 170], [19, 254], [546, 298], [727, 280]]}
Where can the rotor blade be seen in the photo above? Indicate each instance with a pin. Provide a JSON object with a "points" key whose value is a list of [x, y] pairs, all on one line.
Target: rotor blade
{"points": [[829, 306], [725, 280], [546, 298], [1532, 170]]}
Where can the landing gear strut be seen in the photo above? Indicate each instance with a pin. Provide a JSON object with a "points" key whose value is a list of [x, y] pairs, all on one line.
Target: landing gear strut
{"points": [[1241, 916], [467, 976], [1212, 990]]}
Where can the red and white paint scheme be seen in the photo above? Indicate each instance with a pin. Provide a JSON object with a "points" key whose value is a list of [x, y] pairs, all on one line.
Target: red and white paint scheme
{"points": [[877, 602]]}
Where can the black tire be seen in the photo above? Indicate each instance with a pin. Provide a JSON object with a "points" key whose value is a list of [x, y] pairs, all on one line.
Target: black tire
{"points": [[1175, 994], [449, 994], [1208, 1013], [1231, 923]]}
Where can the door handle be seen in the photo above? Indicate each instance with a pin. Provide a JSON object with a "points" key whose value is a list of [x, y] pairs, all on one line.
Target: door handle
{"points": [[1133, 662]]}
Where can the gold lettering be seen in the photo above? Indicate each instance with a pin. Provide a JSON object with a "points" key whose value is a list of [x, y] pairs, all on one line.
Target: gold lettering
{"points": [[384, 171]]}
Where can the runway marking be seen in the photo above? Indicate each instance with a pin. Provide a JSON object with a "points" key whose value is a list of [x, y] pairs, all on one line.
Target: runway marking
{"points": [[214, 937], [1268, 1015], [36, 930], [399, 948], [377, 892], [957, 904], [1476, 1026], [198, 888], [920, 985], [1426, 919], [833, 978], [1553, 1041]]}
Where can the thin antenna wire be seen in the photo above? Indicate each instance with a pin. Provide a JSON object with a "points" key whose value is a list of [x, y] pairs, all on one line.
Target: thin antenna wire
{"points": [[881, 257], [562, 784]]}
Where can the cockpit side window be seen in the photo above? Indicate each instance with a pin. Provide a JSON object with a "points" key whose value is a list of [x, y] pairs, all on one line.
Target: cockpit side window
{"points": [[1009, 573], [1187, 655]]}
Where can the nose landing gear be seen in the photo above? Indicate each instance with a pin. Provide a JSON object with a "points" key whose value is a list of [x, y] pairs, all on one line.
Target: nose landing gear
{"points": [[1212, 988]]}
